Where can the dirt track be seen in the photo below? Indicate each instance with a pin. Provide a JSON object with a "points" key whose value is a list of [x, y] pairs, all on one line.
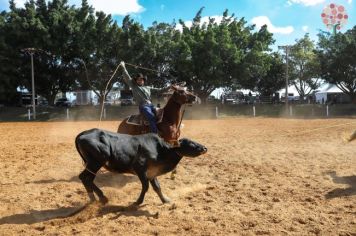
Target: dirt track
{"points": [[259, 177]]}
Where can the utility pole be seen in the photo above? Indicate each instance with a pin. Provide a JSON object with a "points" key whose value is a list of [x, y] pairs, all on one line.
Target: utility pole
{"points": [[286, 48], [31, 52]]}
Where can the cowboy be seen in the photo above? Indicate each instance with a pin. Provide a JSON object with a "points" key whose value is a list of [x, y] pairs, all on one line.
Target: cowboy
{"points": [[142, 95]]}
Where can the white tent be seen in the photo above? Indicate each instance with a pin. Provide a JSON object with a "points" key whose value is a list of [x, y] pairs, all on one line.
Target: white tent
{"points": [[325, 91]]}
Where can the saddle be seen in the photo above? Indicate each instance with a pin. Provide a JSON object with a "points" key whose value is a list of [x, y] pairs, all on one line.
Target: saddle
{"points": [[140, 119]]}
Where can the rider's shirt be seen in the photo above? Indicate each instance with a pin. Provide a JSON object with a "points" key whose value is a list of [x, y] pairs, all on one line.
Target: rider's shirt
{"points": [[142, 94]]}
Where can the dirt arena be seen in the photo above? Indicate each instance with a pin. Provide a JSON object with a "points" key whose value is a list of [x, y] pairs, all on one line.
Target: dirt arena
{"points": [[260, 176]]}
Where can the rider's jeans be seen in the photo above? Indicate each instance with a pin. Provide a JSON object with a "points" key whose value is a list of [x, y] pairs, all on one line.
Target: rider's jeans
{"points": [[148, 111]]}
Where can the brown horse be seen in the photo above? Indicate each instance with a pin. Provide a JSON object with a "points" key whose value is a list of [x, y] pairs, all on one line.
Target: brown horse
{"points": [[168, 127]]}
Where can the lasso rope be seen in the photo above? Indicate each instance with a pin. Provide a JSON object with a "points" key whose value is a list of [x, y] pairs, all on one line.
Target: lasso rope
{"points": [[107, 84], [106, 87], [320, 128], [143, 68]]}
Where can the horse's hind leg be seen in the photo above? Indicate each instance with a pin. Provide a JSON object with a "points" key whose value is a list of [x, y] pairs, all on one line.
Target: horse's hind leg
{"points": [[87, 177]]}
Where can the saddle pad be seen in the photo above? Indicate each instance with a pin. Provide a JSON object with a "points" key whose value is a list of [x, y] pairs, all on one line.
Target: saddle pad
{"points": [[140, 120], [137, 119]]}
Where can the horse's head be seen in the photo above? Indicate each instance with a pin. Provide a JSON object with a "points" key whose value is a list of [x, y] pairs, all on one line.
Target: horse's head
{"points": [[182, 96]]}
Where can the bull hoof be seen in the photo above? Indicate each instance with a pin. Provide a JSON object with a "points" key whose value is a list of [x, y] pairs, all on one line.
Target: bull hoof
{"points": [[104, 200], [166, 200], [133, 206], [91, 197], [173, 174], [137, 203]]}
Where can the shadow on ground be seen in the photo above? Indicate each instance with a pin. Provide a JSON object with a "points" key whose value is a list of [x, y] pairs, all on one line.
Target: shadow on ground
{"points": [[75, 214], [342, 192], [106, 179]]}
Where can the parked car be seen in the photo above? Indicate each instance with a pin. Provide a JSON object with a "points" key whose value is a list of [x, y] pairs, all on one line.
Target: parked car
{"points": [[63, 102], [127, 102], [126, 98]]}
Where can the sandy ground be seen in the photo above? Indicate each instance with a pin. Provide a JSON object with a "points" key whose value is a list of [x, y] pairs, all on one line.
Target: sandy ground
{"points": [[260, 177]]}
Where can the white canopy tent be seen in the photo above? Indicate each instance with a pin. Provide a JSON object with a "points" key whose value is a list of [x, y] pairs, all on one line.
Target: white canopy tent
{"points": [[326, 92]]}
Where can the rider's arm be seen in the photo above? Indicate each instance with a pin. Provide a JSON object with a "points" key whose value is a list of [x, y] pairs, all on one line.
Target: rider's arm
{"points": [[127, 78]]}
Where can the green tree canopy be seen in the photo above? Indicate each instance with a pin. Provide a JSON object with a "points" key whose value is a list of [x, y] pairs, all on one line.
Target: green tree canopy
{"points": [[274, 78], [226, 54], [337, 56], [304, 68]]}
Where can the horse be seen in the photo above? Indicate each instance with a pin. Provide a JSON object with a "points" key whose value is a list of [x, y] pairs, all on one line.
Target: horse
{"points": [[168, 126]]}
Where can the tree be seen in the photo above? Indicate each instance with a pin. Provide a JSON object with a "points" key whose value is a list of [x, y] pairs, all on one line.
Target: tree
{"points": [[8, 84], [101, 53], [337, 56], [211, 55], [47, 28], [274, 79], [304, 67]]}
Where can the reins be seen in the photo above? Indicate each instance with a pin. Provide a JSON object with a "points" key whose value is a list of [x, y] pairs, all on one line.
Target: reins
{"points": [[181, 118]]}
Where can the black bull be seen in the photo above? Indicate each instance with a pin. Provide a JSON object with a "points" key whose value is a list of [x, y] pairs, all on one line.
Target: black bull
{"points": [[146, 156]]}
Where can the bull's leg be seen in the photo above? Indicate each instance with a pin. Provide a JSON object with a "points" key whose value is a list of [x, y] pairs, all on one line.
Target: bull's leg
{"points": [[157, 188], [87, 177], [145, 184], [103, 199]]}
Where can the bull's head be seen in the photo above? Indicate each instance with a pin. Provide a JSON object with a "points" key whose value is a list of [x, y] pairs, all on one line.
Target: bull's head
{"points": [[190, 148]]}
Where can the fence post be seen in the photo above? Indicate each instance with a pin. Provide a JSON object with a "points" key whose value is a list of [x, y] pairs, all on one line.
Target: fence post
{"points": [[327, 110], [104, 114], [254, 111], [290, 111], [29, 114], [217, 112], [67, 114]]}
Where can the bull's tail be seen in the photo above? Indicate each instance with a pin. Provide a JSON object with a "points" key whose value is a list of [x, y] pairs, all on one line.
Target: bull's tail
{"points": [[78, 149]]}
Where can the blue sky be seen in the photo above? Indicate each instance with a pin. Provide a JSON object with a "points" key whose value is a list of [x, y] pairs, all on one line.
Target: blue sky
{"points": [[288, 20]]}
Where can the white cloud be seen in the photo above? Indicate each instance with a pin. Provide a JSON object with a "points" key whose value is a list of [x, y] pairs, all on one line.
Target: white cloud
{"points": [[114, 7], [259, 21], [305, 28], [20, 3], [349, 1], [117, 7], [306, 2]]}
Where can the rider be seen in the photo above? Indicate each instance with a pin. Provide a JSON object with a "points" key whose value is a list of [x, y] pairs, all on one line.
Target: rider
{"points": [[142, 95]]}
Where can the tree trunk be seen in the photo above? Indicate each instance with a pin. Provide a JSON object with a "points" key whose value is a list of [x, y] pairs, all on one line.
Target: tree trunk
{"points": [[51, 98], [203, 96]]}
